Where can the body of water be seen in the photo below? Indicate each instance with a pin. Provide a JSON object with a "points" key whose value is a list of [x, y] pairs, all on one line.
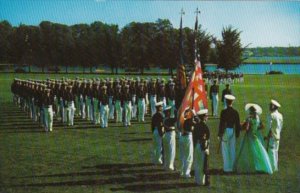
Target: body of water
{"points": [[262, 68]]}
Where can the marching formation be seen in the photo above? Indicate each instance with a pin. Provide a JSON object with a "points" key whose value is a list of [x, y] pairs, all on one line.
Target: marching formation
{"points": [[97, 100], [121, 100], [257, 152]]}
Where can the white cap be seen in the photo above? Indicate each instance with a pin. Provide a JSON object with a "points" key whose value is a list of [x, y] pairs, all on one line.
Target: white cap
{"points": [[202, 112], [257, 108], [159, 104], [275, 103], [229, 97], [189, 108], [168, 108]]}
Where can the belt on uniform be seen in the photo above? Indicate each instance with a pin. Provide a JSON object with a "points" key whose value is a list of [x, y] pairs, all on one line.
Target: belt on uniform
{"points": [[48, 106]]}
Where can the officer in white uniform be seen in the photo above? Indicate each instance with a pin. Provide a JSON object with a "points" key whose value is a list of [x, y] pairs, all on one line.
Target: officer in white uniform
{"points": [[157, 132], [229, 130], [274, 126], [187, 143], [201, 137], [169, 139]]}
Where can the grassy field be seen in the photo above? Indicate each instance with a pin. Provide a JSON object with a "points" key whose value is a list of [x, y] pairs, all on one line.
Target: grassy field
{"points": [[86, 158]]}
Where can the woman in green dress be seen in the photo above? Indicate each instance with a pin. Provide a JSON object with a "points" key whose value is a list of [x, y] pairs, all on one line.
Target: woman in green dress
{"points": [[252, 156]]}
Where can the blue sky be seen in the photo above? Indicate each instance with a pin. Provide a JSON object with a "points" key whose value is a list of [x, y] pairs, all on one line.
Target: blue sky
{"points": [[263, 23]]}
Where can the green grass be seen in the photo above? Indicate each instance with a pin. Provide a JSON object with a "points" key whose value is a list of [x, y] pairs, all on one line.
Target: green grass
{"points": [[89, 159]]}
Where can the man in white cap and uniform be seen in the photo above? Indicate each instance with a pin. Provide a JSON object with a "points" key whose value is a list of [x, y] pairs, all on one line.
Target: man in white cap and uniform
{"points": [[104, 110], [169, 139], [158, 132], [275, 122], [126, 99], [214, 97], [186, 143], [201, 136], [229, 130]]}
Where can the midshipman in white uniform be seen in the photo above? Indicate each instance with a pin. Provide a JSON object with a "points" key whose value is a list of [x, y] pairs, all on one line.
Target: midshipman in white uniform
{"points": [[169, 139], [157, 132], [229, 130], [275, 122]]}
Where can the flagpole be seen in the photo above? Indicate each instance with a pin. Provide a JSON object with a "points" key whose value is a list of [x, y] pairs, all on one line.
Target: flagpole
{"points": [[195, 35], [180, 38]]}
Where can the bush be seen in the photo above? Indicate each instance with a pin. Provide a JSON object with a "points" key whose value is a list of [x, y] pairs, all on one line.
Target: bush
{"points": [[274, 72], [20, 70]]}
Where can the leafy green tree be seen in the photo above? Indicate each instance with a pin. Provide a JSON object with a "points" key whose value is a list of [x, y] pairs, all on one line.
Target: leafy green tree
{"points": [[229, 49], [5, 44]]}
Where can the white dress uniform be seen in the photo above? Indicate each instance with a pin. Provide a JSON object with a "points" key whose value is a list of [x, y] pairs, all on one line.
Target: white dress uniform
{"points": [[214, 96], [201, 137], [157, 132], [70, 98], [141, 95], [187, 147], [127, 107], [48, 102], [275, 123], [169, 142], [229, 130], [104, 110], [118, 106]]}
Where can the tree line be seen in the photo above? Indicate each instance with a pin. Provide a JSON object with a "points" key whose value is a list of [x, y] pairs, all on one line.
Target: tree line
{"points": [[137, 46]]}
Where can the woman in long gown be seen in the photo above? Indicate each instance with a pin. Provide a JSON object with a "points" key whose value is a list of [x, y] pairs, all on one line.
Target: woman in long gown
{"points": [[252, 156]]}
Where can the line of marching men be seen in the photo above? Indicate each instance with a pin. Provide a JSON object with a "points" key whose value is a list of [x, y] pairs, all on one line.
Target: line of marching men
{"points": [[96, 100]]}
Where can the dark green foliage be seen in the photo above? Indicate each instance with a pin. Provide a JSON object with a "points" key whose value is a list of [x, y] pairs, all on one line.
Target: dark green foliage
{"points": [[230, 49], [137, 45]]}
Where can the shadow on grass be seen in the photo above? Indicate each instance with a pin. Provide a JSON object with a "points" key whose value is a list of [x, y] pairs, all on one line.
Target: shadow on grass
{"points": [[136, 140], [153, 187], [139, 173]]}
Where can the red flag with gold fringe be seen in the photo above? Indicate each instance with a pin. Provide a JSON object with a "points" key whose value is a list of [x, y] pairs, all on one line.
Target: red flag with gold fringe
{"points": [[195, 95]]}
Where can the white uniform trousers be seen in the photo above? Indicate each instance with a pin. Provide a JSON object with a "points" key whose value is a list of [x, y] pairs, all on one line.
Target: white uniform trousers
{"points": [[104, 110], [96, 112], [169, 142], [71, 112], [228, 149], [181, 156], [152, 104], [62, 111], [118, 108], [157, 147], [172, 104], [134, 107], [215, 101], [56, 111], [146, 103], [141, 106], [82, 108], [127, 109], [273, 153], [199, 157], [32, 109], [188, 150], [111, 108], [78, 106], [90, 109], [48, 116]]}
